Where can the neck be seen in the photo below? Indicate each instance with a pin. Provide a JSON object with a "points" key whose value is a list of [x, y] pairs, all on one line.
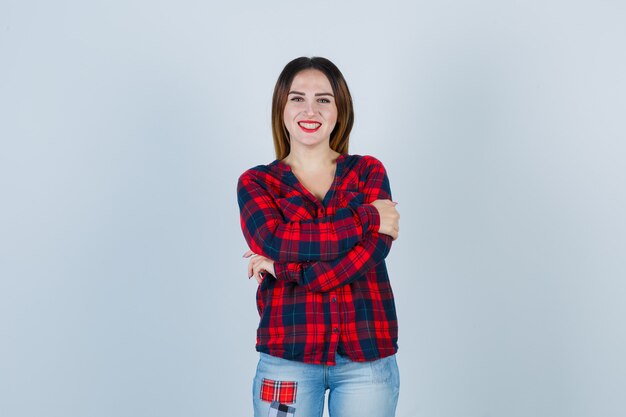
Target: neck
{"points": [[310, 158]]}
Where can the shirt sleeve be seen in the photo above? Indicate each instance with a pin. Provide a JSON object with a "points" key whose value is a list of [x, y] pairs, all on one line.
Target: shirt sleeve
{"points": [[321, 276], [322, 239]]}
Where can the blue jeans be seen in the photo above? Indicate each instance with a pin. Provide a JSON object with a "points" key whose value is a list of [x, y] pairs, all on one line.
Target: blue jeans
{"points": [[357, 389]]}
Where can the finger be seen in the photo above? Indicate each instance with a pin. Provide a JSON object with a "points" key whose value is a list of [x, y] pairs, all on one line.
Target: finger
{"points": [[254, 274], [248, 254], [259, 275], [253, 266], [255, 269]]}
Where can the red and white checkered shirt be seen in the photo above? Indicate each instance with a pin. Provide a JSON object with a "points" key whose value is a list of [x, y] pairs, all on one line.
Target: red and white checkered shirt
{"points": [[331, 291]]}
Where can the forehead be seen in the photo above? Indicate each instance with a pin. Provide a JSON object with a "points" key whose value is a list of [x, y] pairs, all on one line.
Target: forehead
{"points": [[311, 79]]}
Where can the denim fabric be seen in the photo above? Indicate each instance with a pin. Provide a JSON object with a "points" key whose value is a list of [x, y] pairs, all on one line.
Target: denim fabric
{"points": [[357, 389]]}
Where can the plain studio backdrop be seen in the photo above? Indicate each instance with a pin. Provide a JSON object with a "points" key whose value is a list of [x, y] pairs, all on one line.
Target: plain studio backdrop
{"points": [[124, 126]]}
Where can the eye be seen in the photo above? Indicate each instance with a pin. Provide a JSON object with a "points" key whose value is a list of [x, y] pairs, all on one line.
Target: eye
{"points": [[323, 100], [297, 98]]}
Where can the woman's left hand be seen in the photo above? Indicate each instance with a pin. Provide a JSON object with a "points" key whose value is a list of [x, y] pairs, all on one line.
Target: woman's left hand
{"points": [[259, 266]]}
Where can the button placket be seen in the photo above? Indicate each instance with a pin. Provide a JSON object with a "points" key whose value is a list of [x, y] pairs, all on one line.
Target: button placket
{"points": [[334, 316]]}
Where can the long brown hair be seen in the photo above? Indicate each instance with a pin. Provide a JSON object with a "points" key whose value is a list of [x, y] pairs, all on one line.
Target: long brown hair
{"points": [[340, 136]]}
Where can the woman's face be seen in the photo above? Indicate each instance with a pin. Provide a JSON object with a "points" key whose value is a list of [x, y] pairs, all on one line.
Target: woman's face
{"points": [[310, 113]]}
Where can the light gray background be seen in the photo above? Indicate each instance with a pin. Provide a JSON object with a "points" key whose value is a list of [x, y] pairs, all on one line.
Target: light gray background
{"points": [[125, 125]]}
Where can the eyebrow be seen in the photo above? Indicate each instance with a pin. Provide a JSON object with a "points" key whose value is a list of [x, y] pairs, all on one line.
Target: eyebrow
{"points": [[316, 94]]}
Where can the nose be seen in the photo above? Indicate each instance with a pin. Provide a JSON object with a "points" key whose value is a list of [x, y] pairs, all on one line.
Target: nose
{"points": [[310, 108]]}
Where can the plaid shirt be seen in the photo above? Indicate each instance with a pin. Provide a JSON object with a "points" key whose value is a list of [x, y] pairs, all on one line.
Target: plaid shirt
{"points": [[331, 291]]}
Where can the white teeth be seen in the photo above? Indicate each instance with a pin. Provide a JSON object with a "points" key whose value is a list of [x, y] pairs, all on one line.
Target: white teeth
{"points": [[310, 125]]}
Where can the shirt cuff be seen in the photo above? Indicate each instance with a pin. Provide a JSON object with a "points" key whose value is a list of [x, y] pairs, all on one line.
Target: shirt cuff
{"points": [[370, 219], [285, 271]]}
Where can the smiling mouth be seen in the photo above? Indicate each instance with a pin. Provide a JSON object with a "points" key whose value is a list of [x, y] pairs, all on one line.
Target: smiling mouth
{"points": [[309, 127]]}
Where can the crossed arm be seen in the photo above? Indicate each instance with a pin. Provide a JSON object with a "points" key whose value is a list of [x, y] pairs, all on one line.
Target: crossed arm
{"points": [[325, 274], [321, 239]]}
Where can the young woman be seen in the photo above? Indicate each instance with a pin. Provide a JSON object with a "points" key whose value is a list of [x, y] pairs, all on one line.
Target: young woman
{"points": [[319, 223]]}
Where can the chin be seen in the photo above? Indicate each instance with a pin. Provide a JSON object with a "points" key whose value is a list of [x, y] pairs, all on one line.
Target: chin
{"points": [[310, 142]]}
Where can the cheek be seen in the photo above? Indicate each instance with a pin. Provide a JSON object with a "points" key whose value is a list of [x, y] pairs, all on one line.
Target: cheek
{"points": [[333, 114], [287, 119], [332, 117], [288, 127], [289, 113]]}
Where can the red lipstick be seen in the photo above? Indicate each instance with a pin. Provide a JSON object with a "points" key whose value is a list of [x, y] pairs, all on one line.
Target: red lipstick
{"points": [[309, 126]]}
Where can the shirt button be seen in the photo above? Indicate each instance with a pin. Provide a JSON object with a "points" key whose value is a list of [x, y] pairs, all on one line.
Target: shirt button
{"points": [[336, 330], [334, 299]]}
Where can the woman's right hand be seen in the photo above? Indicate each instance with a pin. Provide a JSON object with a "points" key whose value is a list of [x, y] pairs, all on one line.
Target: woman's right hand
{"points": [[259, 266], [389, 217]]}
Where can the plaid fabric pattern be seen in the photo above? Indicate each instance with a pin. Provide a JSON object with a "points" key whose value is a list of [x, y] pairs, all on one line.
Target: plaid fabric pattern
{"points": [[282, 221], [281, 391], [281, 410], [331, 289]]}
